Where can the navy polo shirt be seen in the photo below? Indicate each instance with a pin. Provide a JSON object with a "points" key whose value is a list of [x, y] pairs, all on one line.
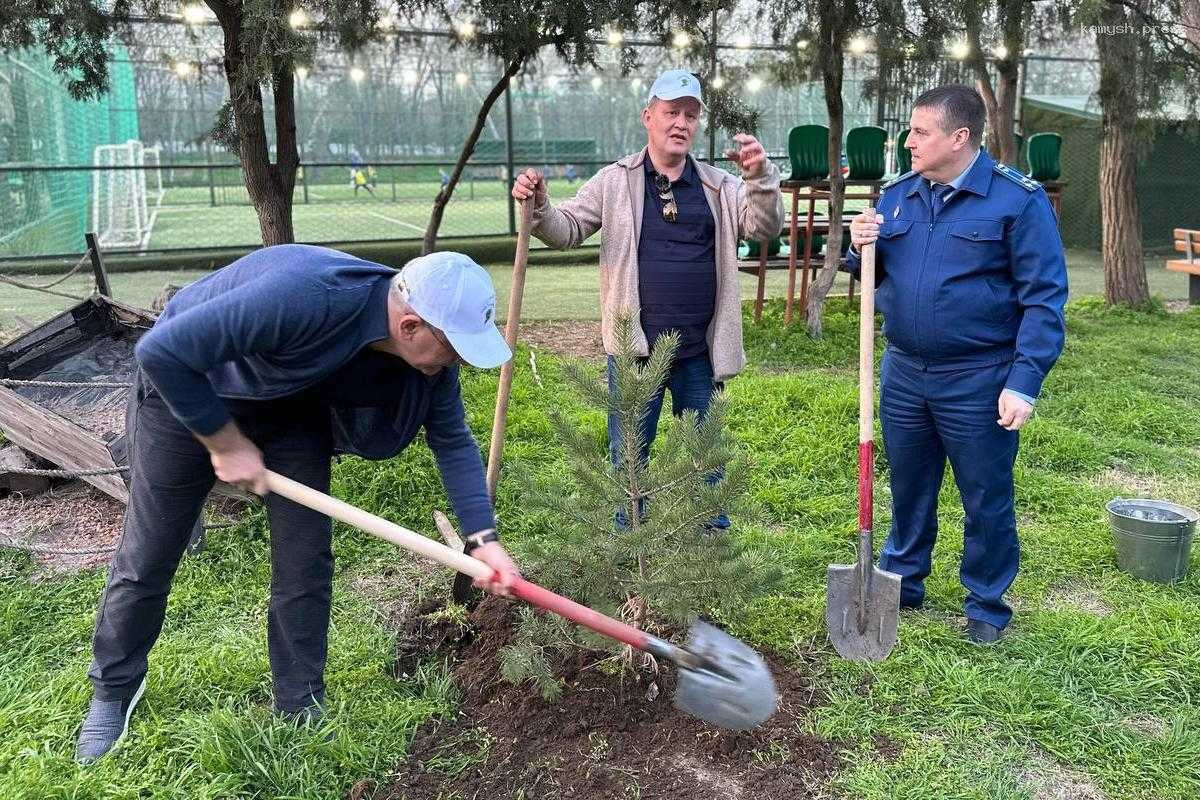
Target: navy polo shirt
{"points": [[677, 266]]}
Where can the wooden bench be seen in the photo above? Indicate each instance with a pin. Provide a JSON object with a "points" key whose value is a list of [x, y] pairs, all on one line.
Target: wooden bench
{"points": [[1188, 242]]}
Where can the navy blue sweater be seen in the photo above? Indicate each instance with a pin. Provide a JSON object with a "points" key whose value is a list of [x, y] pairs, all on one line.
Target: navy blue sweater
{"points": [[282, 320]]}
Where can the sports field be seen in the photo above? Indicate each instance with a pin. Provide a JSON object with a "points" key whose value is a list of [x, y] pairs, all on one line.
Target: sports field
{"points": [[221, 216]]}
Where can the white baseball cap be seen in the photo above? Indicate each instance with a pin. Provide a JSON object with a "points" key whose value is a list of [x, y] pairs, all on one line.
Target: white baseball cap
{"points": [[455, 295], [674, 84]]}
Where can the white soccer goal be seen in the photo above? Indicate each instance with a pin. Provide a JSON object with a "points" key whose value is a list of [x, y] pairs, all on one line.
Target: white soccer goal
{"points": [[152, 160], [119, 213]]}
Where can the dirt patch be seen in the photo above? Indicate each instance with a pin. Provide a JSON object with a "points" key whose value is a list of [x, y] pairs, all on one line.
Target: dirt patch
{"points": [[398, 590], [577, 338], [1149, 725], [1046, 779], [69, 527], [605, 737], [74, 526], [1138, 485], [1077, 597]]}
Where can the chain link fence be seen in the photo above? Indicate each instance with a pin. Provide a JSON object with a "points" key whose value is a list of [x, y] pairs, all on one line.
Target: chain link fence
{"points": [[380, 130]]}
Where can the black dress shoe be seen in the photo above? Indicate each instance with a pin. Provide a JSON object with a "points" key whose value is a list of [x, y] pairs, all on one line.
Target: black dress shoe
{"points": [[980, 632]]}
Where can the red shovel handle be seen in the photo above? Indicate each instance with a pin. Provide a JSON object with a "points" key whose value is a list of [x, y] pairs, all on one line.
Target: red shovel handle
{"points": [[588, 618]]}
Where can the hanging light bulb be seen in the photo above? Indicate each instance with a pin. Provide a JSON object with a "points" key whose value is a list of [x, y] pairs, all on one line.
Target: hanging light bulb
{"points": [[357, 74], [681, 39], [193, 14], [754, 84], [597, 82], [858, 45], [465, 29], [960, 50], [802, 44], [717, 82], [184, 69], [302, 73], [742, 43], [461, 79], [1000, 52], [615, 37], [298, 19]]}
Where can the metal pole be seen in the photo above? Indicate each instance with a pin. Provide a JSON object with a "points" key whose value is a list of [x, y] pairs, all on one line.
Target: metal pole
{"points": [[93, 246], [879, 91], [508, 154], [712, 73]]}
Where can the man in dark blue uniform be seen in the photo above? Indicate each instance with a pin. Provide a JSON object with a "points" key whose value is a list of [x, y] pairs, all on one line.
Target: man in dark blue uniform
{"points": [[971, 284]]}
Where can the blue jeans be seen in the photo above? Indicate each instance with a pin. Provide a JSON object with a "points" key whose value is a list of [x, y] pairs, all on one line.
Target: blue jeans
{"points": [[929, 416], [692, 386]]}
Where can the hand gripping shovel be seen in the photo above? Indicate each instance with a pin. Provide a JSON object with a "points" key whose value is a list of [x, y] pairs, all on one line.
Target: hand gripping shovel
{"points": [[862, 601], [721, 680]]}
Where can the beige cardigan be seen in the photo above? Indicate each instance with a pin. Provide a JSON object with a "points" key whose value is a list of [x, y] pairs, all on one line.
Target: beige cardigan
{"points": [[612, 199]]}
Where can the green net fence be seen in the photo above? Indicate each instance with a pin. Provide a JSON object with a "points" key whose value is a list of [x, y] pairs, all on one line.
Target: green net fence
{"points": [[45, 211], [1167, 175], [379, 132]]}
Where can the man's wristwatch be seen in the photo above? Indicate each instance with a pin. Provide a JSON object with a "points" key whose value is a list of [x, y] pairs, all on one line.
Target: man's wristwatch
{"points": [[479, 540]]}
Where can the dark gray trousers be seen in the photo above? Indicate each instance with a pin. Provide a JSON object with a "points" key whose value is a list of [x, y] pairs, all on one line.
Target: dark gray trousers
{"points": [[170, 476]]}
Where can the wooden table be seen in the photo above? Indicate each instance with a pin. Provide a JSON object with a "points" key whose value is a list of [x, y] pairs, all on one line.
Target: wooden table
{"points": [[815, 191]]}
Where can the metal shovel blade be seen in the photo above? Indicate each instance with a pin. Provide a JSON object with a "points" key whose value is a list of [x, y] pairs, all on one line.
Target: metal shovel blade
{"points": [[876, 639], [734, 688]]}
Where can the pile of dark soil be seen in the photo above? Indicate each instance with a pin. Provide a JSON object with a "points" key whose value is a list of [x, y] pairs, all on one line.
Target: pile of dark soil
{"points": [[605, 737]]}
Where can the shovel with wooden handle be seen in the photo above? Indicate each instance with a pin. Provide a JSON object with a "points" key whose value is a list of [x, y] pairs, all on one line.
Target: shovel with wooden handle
{"points": [[862, 601], [721, 680], [511, 323], [462, 589]]}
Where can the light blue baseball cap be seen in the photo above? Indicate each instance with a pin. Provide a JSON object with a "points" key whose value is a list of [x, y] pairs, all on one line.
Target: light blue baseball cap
{"points": [[674, 84], [455, 295]]}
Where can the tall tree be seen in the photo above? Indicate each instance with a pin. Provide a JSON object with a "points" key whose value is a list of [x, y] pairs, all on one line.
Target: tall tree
{"points": [[261, 51], [1002, 23], [1147, 66], [828, 26], [513, 33]]}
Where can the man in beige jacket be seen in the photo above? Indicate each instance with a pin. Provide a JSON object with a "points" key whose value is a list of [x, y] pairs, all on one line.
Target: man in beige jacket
{"points": [[668, 255]]}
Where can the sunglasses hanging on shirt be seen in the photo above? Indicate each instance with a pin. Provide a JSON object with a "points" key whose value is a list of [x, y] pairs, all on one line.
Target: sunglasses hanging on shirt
{"points": [[670, 210]]}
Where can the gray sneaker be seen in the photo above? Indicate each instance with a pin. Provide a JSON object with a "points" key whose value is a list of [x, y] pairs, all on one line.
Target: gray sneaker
{"points": [[106, 723]]}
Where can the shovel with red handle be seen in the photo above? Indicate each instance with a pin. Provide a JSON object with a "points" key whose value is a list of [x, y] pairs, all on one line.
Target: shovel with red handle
{"points": [[721, 680], [862, 601]]}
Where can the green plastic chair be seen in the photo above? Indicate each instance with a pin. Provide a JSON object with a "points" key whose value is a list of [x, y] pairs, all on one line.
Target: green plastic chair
{"points": [[865, 153], [808, 149], [1044, 154], [903, 154], [773, 247]]}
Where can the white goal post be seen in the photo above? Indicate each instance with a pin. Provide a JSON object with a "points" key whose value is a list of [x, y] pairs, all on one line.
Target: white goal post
{"points": [[120, 215]]}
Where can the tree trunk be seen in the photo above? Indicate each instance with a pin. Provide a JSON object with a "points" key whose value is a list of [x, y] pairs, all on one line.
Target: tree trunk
{"points": [[468, 148], [1001, 99], [1191, 21], [269, 185], [832, 67], [1120, 217]]}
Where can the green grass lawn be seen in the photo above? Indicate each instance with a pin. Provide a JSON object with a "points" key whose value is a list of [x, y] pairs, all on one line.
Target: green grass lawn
{"points": [[551, 292], [188, 218], [1094, 689]]}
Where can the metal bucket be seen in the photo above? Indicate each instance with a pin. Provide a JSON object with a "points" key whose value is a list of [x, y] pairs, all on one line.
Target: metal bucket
{"points": [[1154, 538]]}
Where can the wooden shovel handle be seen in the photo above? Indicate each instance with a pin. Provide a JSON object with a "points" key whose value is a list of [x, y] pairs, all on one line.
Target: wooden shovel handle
{"points": [[511, 323], [414, 542], [376, 526], [866, 387]]}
